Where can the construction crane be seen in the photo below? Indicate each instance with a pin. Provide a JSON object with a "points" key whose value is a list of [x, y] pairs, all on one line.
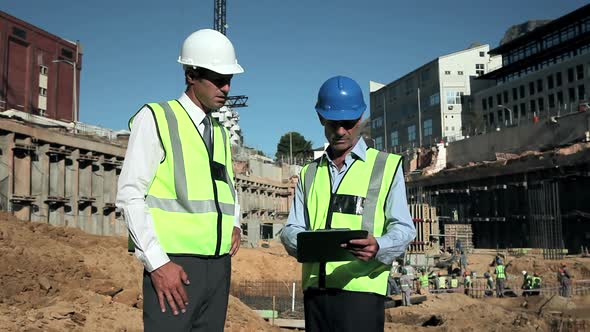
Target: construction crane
{"points": [[219, 24]]}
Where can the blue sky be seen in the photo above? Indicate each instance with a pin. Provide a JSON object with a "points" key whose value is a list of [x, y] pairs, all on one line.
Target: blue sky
{"points": [[288, 49]]}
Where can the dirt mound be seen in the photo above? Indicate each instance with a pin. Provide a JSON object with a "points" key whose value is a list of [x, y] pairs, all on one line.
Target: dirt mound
{"points": [[62, 279], [458, 312]]}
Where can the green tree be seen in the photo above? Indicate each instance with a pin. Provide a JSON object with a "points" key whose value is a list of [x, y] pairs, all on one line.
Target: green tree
{"points": [[293, 142]]}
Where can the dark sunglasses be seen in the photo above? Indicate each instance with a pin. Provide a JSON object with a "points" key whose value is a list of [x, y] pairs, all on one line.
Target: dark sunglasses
{"points": [[346, 124], [213, 77]]}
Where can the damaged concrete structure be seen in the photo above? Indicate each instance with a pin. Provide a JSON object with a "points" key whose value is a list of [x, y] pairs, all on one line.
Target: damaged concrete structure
{"points": [[520, 187]]}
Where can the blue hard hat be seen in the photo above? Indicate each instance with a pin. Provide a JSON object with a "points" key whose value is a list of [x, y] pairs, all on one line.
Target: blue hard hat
{"points": [[340, 98]]}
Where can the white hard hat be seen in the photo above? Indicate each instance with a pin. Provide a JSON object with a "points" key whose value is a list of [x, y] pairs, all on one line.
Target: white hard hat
{"points": [[212, 50], [523, 272]]}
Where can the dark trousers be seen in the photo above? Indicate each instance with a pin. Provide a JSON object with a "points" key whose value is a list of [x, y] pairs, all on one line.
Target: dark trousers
{"points": [[338, 310], [207, 296]]}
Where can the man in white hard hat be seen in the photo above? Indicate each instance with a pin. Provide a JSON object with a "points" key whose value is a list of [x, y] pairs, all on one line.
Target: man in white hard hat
{"points": [[177, 193]]}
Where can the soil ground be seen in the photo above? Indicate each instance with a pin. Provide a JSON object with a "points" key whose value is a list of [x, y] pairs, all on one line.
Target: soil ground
{"points": [[62, 279]]}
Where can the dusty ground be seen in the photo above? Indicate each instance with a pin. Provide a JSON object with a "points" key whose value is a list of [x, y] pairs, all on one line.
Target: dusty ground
{"points": [[61, 279]]}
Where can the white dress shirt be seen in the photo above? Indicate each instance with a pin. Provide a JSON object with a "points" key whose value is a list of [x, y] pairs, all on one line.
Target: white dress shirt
{"points": [[142, 158]]}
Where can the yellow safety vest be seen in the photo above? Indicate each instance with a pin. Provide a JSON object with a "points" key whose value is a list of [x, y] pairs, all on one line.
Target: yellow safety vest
{"points": [[442, 282], [500, 272], [423, 280], [358, 203], [454, 283], [192, 197]]}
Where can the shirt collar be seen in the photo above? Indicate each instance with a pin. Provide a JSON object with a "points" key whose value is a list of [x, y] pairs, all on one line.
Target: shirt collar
{"points": [[194, 111], [359, 151]]}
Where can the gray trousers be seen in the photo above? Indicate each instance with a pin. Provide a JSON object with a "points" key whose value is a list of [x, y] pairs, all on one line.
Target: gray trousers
{"points": [[406, 297], [500, 287], [207, 296]]}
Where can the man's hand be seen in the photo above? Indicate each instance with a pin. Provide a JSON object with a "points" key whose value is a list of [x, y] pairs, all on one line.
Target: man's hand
{"points": [[235, 241], [168, 281], [363, 249]]}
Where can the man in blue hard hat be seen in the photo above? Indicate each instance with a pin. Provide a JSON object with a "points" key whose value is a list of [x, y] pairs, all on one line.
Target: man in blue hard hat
{"points": [[355, 187]]}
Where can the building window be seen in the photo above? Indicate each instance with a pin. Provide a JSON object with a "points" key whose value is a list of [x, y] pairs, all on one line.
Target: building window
{"points": [[500, 117], [559, 97], [531, 88], [550, 82], [484, 103], [67, 53], [485, 119], [581, 92], [533, 104], [490, 102], [498, 99], [539, 85], [42, 92], [482, 54], [447, 72], [521, 90], [460, 72], [515, 110], [514, 93], [551, 99], [570, 75], [412, 133], [454, 97], [20, 33], [435, 99], [558, 79], [505, 95], [394, 138], [479, 72], [379, 142], [522, 109], [377, 122], [479, 66], [428, 127], [580, 72], [43, 70], [572, 94], [541, 104]]}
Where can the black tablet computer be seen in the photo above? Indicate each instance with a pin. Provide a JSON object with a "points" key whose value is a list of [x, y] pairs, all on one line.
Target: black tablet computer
{"points": [[324, 245]]}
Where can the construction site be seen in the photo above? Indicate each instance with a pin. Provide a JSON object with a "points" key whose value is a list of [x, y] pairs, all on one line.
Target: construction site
{"points": [[509, 185]]}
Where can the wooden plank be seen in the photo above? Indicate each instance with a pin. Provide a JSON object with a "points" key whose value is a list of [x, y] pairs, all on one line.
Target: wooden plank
{"points": [[290, 323]]}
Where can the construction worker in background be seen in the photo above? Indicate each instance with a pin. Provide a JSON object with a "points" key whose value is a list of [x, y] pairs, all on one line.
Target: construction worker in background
{"points": [[467, 283], [565, 281], [463, 261], [454, 282], [527, 283], [442, 282], [406, 283], [500, 273], [177, 194], [356, 187], [435, 279], [536, 284], [489, 284], [423, 280]]}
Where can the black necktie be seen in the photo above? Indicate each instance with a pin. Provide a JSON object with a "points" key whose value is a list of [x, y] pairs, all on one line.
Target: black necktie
{"points": [[207, 132]]}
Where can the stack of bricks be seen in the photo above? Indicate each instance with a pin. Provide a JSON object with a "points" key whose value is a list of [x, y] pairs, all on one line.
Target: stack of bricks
{"points": [[426, 223], [462, 231]]}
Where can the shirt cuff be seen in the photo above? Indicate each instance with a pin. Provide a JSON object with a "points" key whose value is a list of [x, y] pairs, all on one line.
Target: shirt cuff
{"points": [[153, 258]]}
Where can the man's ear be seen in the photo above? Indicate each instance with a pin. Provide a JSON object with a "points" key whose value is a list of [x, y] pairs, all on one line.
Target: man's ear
{"points": [[322, 120]]}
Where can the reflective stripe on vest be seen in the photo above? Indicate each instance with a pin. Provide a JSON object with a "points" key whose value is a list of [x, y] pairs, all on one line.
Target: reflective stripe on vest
{"points": [[500, 272], [454, 283], [192, 197], [357, 203]]}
